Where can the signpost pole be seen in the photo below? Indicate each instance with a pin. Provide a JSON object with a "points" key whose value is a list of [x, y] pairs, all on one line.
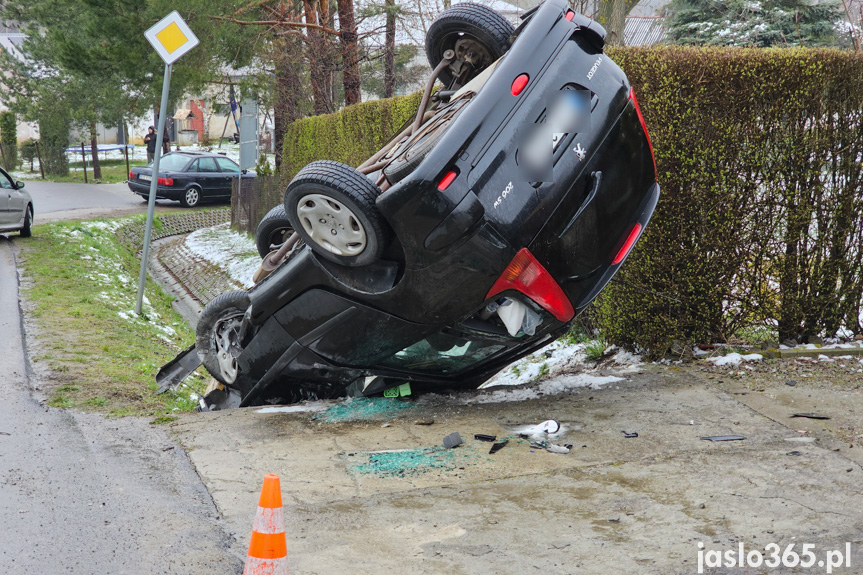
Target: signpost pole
{"points": [[151, 202]]}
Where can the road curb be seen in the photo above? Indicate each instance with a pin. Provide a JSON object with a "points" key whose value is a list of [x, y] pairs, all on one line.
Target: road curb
{"points": [[809, 352]]}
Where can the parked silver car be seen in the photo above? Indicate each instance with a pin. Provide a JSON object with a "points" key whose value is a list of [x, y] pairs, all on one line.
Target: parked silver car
{"points": [[16, 206]]}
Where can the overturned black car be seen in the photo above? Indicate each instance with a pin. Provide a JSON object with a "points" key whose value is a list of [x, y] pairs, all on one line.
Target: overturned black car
{"points": [[468, 241]]}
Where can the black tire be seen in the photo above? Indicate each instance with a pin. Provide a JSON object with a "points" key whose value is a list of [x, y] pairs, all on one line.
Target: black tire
{"points": [[227, 307], [273, 230], [340, 193], [468, 21], [27, 230], [191, 197]]}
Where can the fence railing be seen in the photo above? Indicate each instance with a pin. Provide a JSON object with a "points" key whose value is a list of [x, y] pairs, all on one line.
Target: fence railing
{"points": [[252, 198]]}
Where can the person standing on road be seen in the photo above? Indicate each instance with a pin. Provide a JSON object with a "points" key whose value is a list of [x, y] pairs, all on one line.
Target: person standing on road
{"points": [[150, 142], [165, 143]]}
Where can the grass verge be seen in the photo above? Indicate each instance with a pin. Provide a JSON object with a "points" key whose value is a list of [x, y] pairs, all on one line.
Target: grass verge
{"points": [[80, 288]]}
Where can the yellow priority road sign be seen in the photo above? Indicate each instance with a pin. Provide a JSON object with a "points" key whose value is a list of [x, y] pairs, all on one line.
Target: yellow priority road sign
{"points": [[171, 37]]}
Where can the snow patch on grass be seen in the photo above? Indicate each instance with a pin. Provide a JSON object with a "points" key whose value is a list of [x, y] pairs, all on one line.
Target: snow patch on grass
{"points": [[555, 386], [558, 358], [235, 253], [734, 359]]}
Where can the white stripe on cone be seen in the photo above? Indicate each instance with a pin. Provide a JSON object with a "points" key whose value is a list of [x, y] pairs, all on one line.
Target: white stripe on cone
{"points": [[269, 520], [255, 566]]}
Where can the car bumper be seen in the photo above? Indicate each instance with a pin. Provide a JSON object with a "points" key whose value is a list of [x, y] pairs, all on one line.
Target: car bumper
{"points": [[162, 193]]}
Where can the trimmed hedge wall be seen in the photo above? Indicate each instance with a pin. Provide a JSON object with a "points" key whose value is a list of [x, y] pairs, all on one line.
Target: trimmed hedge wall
{"points": [[760, 161], [350, 136]]}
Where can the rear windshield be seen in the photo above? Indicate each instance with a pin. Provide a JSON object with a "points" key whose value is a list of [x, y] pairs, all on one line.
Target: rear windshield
{"points": [[173, 162], [442, 353]]}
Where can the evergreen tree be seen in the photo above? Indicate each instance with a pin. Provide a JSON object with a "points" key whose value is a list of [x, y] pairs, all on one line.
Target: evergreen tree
{"points": [[88, 62], [758, 23]]}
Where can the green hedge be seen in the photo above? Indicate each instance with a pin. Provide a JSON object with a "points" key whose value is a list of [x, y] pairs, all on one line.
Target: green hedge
{"points": [[760, 221], [760, 161], [349, 136]]}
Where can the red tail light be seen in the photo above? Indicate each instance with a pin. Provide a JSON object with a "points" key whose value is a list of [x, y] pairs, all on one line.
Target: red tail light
{"points": [[627, 245], [643, 125], [447, 180], [131, 175], [570, 15], [519, 83], [166, 181], [525, 274]]}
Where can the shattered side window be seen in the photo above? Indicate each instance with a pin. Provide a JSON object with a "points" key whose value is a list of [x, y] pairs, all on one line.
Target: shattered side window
{"points": [[442, 353]]}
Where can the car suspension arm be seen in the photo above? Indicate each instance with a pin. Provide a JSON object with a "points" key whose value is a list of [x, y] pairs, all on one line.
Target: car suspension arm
{"points": [[447, 58]]}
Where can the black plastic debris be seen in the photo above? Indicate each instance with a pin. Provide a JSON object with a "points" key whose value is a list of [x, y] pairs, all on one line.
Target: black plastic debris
{"points": [[810, 416], [452, 440], [724, 438], [484, 437], [794, 453], [791, 383], [628, 435], [175, 371], [498, 446]]}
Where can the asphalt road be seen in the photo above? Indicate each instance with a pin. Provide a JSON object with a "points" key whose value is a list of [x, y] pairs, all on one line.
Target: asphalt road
{"points": [[61, 201], [82, 494]]}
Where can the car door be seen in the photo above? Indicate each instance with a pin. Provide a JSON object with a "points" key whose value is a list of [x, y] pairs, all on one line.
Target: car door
{"points": [[7, 188], [230, 172], [209, 176]]}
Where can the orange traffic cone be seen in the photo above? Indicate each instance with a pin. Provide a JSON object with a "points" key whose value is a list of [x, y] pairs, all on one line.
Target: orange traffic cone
{"points": [[268, 553]]}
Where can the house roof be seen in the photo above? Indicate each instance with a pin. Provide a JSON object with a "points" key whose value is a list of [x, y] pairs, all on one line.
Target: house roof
{"points": [[11, 42], [644, 31]]}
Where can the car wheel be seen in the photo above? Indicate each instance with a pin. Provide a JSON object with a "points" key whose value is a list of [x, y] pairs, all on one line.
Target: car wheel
{"points": [[273, 230], [191, 197], [217, 335], [27, 231], [475, 32], [332, 208]]}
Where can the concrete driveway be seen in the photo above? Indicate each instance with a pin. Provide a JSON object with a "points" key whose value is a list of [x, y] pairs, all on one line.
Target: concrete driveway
{"points": [[613, 505]]}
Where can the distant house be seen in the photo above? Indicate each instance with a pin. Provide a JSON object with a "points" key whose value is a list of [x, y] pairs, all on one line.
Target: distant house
{"points": [[644, 31], [10, 41]]}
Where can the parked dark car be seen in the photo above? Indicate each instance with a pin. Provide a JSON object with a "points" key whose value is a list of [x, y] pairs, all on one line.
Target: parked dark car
{"points": [[189, 178], [470, 240]]}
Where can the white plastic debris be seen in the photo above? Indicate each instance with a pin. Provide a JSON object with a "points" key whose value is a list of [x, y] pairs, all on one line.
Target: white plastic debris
{"points": [[512, 313], [548, 429]]}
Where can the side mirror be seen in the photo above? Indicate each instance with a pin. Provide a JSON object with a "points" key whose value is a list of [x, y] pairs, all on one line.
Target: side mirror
{"points": [[19, 185], [244, 172]]}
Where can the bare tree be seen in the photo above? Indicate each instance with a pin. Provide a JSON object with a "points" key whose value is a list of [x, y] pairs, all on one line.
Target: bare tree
{"points": [[612, 15], [318, 55], [390, 49], [348, 38]]}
